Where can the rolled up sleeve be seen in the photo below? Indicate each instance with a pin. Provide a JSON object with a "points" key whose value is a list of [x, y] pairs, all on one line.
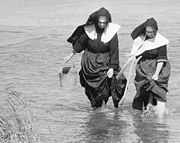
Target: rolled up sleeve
{"points": [[162, 54]]}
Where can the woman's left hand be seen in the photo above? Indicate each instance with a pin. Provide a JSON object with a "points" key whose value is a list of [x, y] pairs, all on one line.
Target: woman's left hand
{"points": [[110, 72], [155, 77]]}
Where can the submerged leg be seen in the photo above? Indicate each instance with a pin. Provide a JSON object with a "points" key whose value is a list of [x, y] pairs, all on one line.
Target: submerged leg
{"points": [[138, 101], [116, 103], [90, 97], [149, 108], [103, 106], [160, 108]]}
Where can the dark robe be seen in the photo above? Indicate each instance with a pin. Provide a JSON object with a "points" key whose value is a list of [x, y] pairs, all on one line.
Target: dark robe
{"points": [[145, 69], [145, 86], [97, 59]]}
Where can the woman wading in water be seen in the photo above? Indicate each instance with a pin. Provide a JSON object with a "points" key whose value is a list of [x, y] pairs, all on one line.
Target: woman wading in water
{"points": [[100, 60], [153, 68]]}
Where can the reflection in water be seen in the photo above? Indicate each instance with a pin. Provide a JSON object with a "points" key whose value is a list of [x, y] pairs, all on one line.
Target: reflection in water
{"points": [[149, 129], [106, 127], [97, 127]]}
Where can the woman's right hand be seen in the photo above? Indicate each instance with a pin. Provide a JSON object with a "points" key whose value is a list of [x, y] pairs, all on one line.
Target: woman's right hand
{"points": [[110, 72]]}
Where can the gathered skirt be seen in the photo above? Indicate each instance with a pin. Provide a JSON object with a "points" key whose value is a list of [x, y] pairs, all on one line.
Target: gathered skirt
{"points": [[93, 77], [146, 87]]}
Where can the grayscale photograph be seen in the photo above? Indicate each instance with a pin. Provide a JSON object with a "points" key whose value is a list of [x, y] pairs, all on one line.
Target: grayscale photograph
{"points": [[81, 71]]}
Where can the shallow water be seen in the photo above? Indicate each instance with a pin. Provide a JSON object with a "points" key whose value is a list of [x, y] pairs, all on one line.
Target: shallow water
{"points": [[31, 57]]}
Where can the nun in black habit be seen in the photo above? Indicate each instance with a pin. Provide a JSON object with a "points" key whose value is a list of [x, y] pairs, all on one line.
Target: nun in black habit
{"points": [[153, 69], [100, 60]]}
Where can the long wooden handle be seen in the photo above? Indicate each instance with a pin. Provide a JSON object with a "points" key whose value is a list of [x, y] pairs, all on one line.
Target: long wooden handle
{"points": [[70, 56], [124, 68]]}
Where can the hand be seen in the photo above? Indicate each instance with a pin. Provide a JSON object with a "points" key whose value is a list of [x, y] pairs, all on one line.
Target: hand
{"points": [[66, 59], [155, 77], [110, 72]]}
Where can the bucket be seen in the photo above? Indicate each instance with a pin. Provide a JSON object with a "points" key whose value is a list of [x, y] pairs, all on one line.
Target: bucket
{"points": [[68, 77]]}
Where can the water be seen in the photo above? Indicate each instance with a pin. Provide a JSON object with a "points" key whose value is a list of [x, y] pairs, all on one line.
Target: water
{"points": [[33, 44]]}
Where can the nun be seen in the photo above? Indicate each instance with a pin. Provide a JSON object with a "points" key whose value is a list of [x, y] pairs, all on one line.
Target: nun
{"points": [[98, 40], [153, 68]]}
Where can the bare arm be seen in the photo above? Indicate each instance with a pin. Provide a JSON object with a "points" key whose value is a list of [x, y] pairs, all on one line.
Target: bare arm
{"points": [[158, 70], [159, 67], [161, 59]]}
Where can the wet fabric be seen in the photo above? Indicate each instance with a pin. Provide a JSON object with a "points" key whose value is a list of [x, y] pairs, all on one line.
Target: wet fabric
{"points": [[146, 87], [97, 59], [152, 51], [94, 78], [93, 74]]}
